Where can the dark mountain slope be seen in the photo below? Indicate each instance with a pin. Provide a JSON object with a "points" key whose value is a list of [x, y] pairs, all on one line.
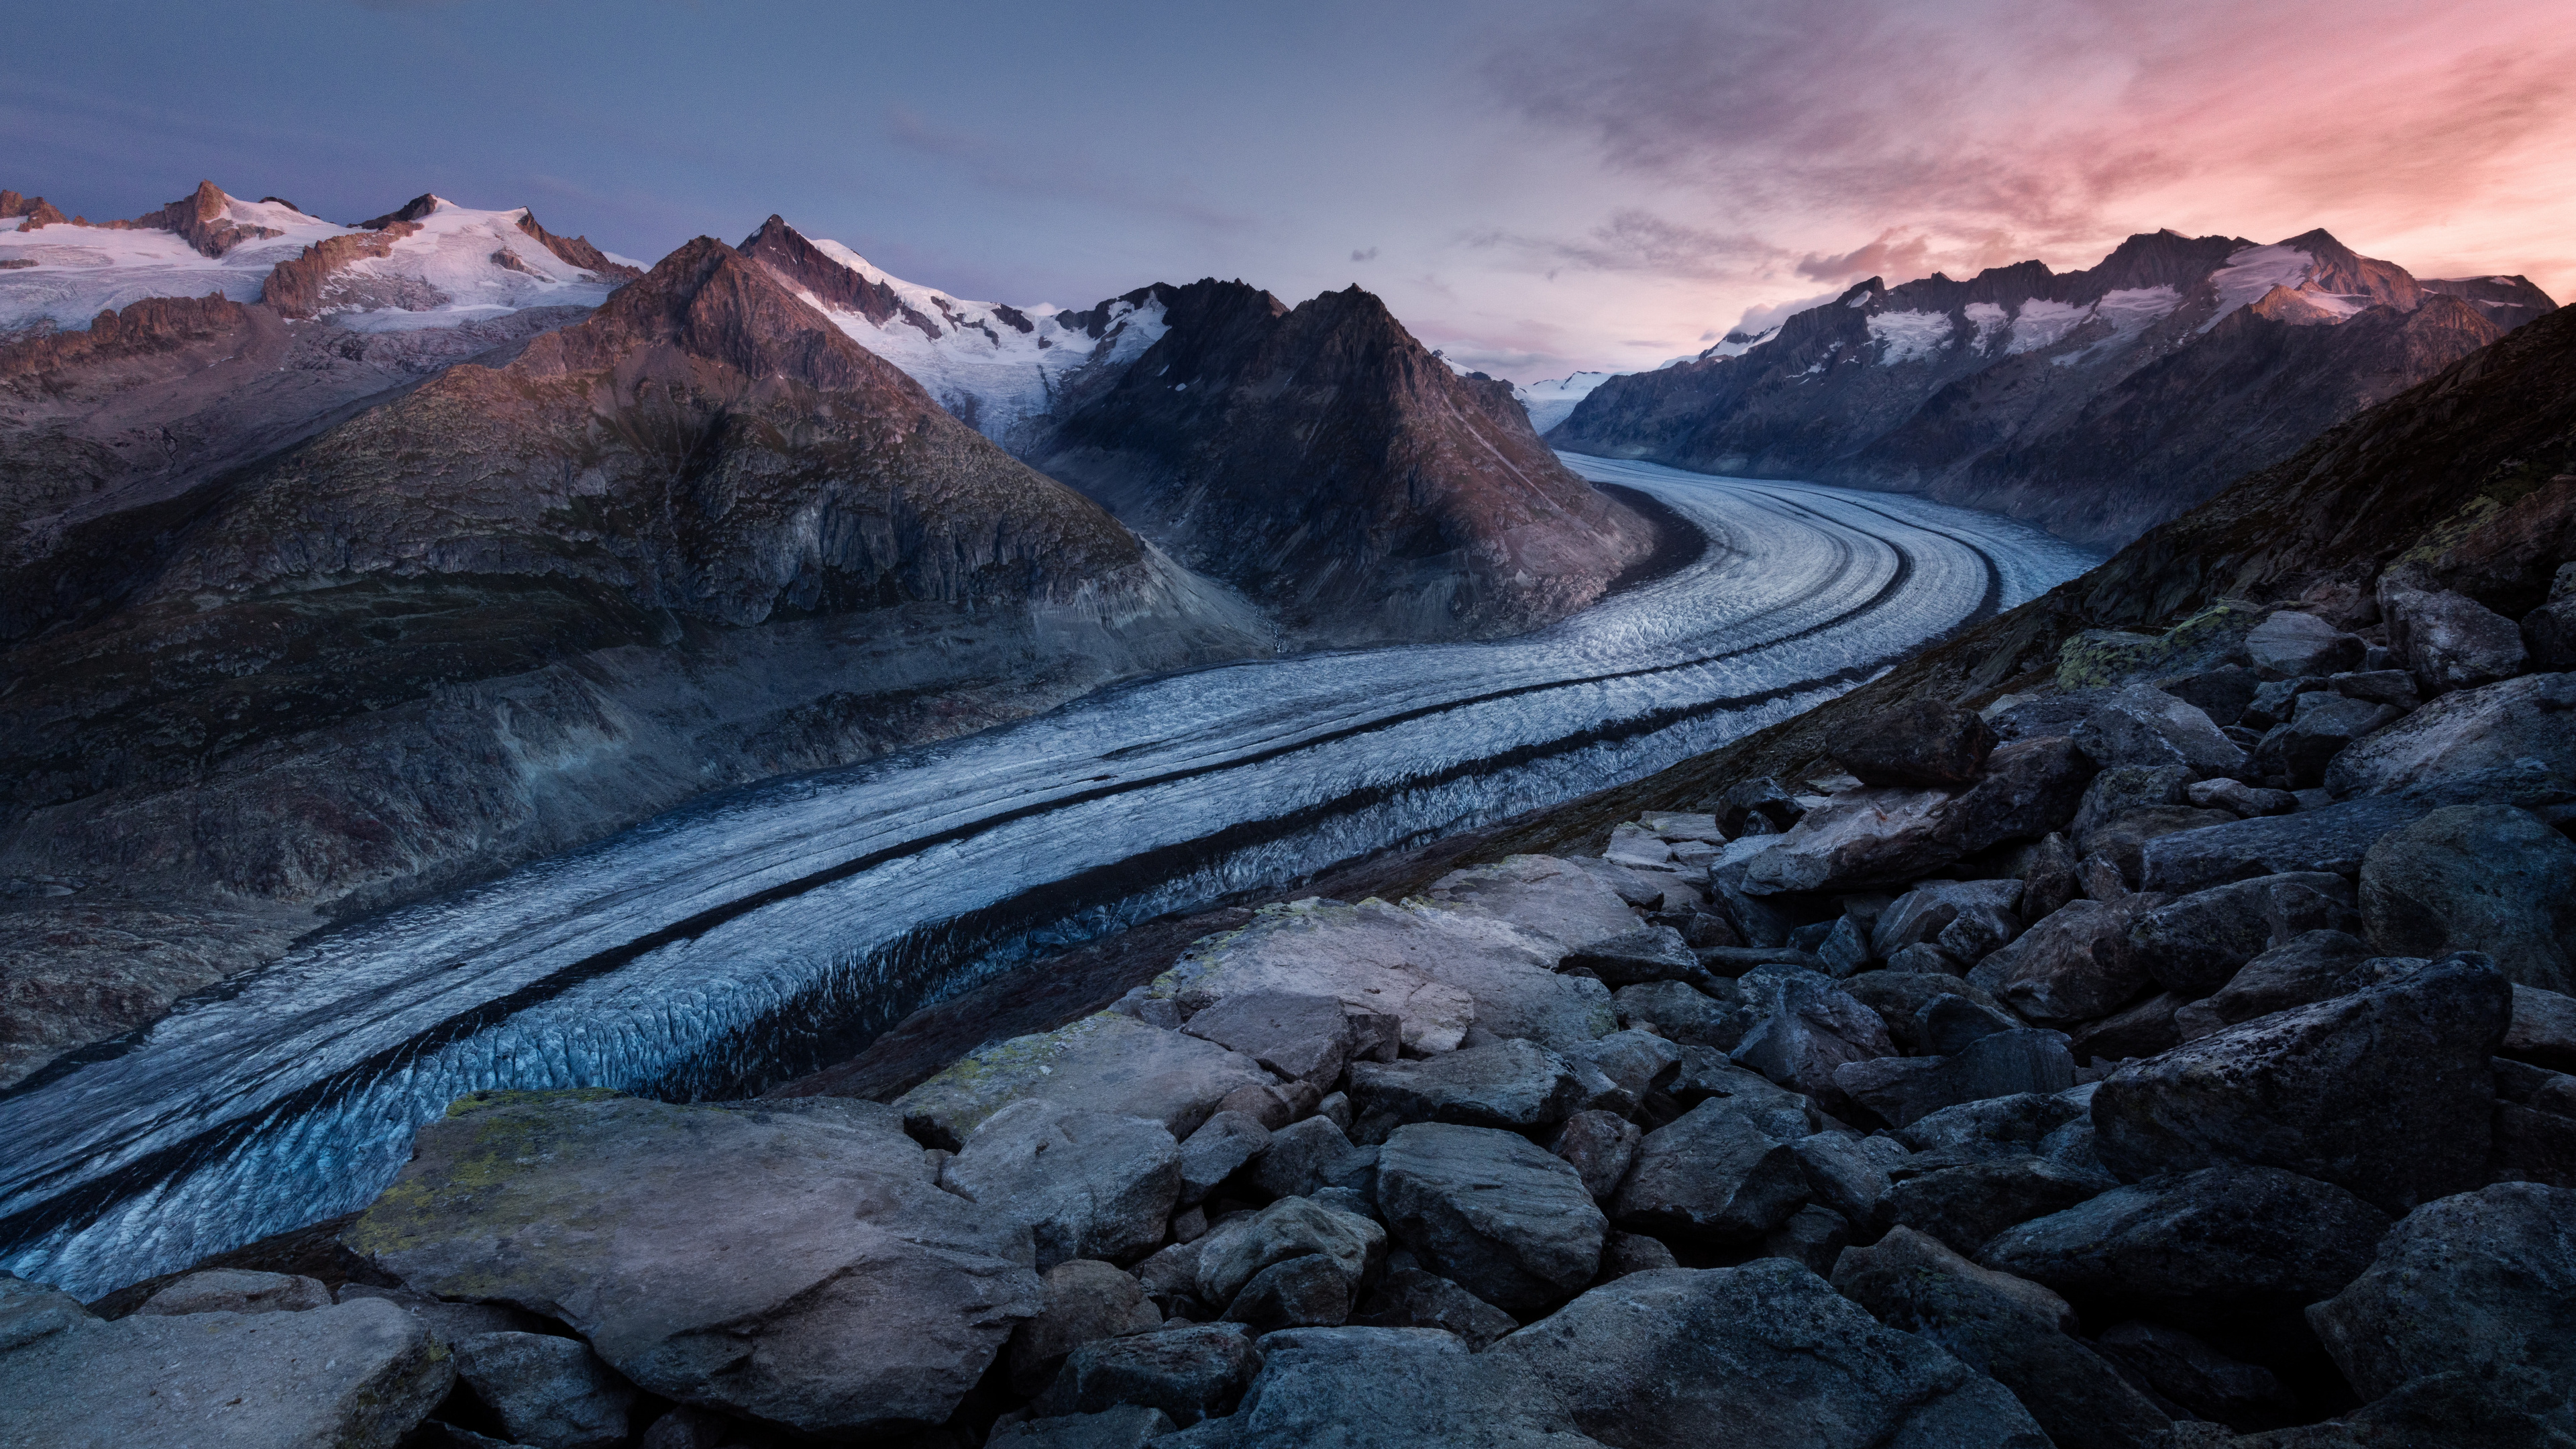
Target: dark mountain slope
{"points": [[1324, 461]]}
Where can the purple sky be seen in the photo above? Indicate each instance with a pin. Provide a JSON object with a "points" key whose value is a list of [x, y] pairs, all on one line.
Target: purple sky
{"points": [[1533, 186]]}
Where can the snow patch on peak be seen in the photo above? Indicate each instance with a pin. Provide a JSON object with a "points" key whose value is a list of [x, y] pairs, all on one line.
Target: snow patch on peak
{"points": [[1552, 401], [460, 264], [1910, 336], [2043, 323], [1990, 320]]}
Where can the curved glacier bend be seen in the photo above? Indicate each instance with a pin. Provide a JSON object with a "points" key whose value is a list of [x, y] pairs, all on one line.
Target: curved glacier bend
{"points": [[749, 938]]}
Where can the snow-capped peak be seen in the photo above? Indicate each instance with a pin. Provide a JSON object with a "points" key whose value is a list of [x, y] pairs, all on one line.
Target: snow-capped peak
{"points": [[1552, 401]]}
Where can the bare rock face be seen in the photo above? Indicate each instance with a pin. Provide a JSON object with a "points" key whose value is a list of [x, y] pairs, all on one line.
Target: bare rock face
{"points": [[1923, 743], [821, 1280], [2485, 878], [1325, 462], [2482, 1279], [1499, 1215]]}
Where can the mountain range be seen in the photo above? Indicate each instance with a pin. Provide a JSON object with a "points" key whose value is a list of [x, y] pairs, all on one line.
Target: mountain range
{"points": [[2096, 403]]}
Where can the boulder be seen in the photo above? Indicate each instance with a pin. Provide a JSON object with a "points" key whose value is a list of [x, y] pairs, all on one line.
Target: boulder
{"points": [[2000, 1126], [2549, 636], [789, 1262], [1566, 903], [1752, 1357], [1621, 1068], [1491, 1211], [2140, 1029], [1089, 1184], [29, 1311], [2307, 968], [2030, 788], [1948, 1023], [1900, 996], [2000, 1064], [2239, 798], [2122, 840], [2009, 1329], [1414, 1298], [2222, 1240], [2221, 693], [1803, 1028], [1128, 1426], [1845, 948], [2142, 725], [2385, 1091], [1778, 1111], [1307, 1292], [1293, 1227], [1601, 1147], [1916, 742], [2484, 1278], [1685, 1014], [549, 1392], [1636, 846], [1850, 1175], [1385, 1388], [1779, 807], [1649, 953], [2332, 839], [1922, 913], [1273, 1104], [2513, 741], [2486, 1408], [1086, 1299], [448, 1322], [2379, 686], [1510, 1083], [2451, 641], [2485, 878], [1216, 1151], [2296, 754], [1712, 1173], [2186, 1370], [2074, 966], [2542, 1030], [357, 1374], [1103, 1063], [236, 1290], [2194, 944], [1860, 838], [1812, 1238], [2288, 644], [2049, 881], [1302, 1037], [1965, 1203], [1683, 825], [1305, 1157], [2123, 788], [1187, 1373]]}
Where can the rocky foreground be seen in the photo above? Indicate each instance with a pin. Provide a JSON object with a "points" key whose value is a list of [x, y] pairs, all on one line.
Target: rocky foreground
{"points": [[2175, 1052]]}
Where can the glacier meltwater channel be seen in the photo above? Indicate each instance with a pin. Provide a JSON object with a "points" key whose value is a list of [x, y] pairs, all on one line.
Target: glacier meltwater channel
{"points": [[758, 935]]}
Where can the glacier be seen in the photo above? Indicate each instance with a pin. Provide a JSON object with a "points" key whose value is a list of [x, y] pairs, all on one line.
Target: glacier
{"points": [[749, 938]]}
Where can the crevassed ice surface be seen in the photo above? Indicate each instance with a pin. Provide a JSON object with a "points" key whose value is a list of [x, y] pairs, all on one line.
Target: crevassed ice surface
{"points": [[753, 937]]}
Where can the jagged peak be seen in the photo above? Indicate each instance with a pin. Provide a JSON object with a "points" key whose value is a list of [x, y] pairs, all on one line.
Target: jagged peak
{"points": [[413, 210]]}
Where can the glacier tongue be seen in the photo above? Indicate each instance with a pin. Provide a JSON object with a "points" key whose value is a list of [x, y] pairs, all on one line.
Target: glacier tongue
{"points": [[750, 938]]}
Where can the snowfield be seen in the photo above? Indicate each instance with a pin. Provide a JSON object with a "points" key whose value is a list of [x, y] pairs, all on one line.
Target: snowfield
{"points": [[755, 936]]}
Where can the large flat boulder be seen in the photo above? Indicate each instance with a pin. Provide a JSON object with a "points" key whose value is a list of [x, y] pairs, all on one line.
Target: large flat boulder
{"points": [[1765, 1356], [2386, 1091], [2465, 1284], [1556, 900], [2486, 878], [1492, 1211], [793, 1263], [2514, 741], [1386, 1388], [2076, 964], [1511, 1083], [1102, 1063], [1711, 1173], [2333, 839], [1088, 1184], [344, 1376], [1866, 837], [1434, 967]]}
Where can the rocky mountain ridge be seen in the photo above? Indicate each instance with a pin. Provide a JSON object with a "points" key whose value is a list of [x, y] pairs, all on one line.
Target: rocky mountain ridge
{"points": [[2096, 403]]}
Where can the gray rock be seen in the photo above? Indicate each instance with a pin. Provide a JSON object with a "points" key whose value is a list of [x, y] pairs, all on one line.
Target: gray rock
{"points": [[2535, 1126], [1273, 1104], [1634, 845], [1172, 1271], [2199, 1247], [1621, 1068], [1222, 1145], [795, 1266], [2488, 1408], [1491, 1211], [2511, 741], [1781, 1113], [2039, 715], [2187, 1371], [2321, 725], [2451, 641], [1649, 953], [1977, 933], [1089, 1184], [1922, 959], [1949, 1022], [2484, 1278], [2385, 1091], [29, 1311], [2273, 702], [2542, 1030], [2379, 686], [2485, 878], [2140, 1029], [2121, 789], [2049, 880], [2194, 944], [1307, 1292], [1778, 805], [2288, 644], [1626, 1253], [235, 1290], [1845, 949], [2031, 788], [1921, 913], [2074, 966], [1762, 1355], [1682, 825], [1186, 1373], [1900, 996], [1967, 1203], [1849, 1175], [2307, 968], [1730, 963], [2240, 798], [1509, 1083], [1293, 1227], [1104, 1063], [1601, 1147], [1867, 837], [1385, 1388], [1803, 1028], [352, 1374], [448, 1322], [2221, 693], [1302, 1037], [1086, 1299], [2000, 1064], [2549, 636], [2124, 838], [1128, 1426], [550, 1392], [2008, 1126], [1413, 1298], [1812, 1238], [1684, 1013], [2009, 1329], [2141, 725], [1305, 1157], [1917, 742], [2333, 839], [1712, 1173]]}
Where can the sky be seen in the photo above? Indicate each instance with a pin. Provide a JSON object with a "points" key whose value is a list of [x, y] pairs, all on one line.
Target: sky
{"points": [[1533, 187]]}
